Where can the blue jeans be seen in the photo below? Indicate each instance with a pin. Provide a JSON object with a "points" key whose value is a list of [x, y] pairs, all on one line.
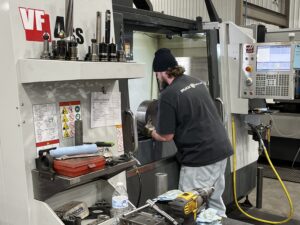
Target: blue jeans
{"points": [[206, 176]]}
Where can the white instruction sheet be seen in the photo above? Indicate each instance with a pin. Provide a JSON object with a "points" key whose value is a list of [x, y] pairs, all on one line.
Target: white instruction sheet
{"points": [[105, 109], [45, 126]]}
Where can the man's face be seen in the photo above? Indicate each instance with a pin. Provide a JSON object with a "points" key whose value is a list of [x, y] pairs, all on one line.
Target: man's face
{"points": [[162, 82], [159, 76]]}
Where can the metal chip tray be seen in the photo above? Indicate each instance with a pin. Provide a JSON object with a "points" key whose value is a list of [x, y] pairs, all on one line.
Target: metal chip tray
{"points": [[44, 188]]}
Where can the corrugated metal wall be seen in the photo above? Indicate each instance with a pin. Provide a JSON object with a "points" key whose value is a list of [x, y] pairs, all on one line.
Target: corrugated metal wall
{"points": [[294, 14], [190, 9], [294, 18], [268, 26], [274, 5]]}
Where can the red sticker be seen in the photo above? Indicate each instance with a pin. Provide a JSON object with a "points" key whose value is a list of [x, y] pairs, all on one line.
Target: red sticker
{"points": [[35, 22]]}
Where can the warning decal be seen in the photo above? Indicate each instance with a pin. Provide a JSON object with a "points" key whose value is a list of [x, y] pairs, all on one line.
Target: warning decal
{"points": [[69, 113]]}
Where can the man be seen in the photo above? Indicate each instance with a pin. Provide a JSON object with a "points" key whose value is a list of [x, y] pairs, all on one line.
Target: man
{"points": [[187, 114]]}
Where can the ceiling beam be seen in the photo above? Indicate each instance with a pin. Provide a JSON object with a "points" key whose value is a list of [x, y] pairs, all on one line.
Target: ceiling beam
{"points": [[266, 15], [245, 9]]}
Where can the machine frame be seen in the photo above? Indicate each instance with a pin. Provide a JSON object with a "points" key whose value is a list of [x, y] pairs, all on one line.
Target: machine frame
{"points": [[147, 21], [17, 96]]}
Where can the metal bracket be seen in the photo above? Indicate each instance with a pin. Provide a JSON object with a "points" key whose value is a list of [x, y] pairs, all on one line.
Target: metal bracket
{"points": [[134, 127]]}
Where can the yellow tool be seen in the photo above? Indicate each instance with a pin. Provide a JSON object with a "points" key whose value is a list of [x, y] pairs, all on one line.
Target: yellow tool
{"points": [[187, 204]]}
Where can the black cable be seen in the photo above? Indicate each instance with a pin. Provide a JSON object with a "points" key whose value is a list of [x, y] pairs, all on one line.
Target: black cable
{"points": [[258, 134], [140, 186]]}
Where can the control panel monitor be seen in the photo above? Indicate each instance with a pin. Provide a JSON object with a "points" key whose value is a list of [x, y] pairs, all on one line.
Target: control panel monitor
{"points": [[273, 58], [267, 71]]}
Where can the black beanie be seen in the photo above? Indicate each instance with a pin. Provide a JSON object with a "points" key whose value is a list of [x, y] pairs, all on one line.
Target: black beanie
{"points": [[163, 60]]}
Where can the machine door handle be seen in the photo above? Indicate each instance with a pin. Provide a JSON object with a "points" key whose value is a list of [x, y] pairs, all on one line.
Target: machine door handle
{"points": [[220, 101], [134, 128]]}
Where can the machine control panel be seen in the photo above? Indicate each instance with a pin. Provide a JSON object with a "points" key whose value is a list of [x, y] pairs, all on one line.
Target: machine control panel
{"points": [[267, 71]]}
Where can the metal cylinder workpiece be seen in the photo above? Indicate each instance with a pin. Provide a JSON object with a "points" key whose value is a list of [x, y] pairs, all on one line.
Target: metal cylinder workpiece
{"points": [[161, 183]]}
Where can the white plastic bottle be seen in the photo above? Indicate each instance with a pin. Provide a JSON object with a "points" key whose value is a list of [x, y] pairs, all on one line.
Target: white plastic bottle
{"points": [[119, 201]]}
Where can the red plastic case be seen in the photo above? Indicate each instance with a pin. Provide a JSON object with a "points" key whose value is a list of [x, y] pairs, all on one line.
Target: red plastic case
{"points": [[78, 166]]}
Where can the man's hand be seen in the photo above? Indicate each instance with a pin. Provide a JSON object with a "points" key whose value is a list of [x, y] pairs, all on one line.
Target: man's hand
{"points": [[151, 132], [149, 128]]}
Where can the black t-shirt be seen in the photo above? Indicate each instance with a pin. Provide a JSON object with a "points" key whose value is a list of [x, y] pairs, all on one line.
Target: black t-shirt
{"points": [[186, 109]]}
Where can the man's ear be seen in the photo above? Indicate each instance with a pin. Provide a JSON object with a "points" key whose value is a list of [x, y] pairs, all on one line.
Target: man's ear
{"points": [[166, 74]]}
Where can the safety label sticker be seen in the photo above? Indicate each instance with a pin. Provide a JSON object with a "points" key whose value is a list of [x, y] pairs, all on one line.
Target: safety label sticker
{"points": [[45, 126], [120, 144], [69, 113]]}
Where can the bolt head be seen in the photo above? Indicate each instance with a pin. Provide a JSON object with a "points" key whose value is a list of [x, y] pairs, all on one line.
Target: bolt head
{"points": [[46, 36]]}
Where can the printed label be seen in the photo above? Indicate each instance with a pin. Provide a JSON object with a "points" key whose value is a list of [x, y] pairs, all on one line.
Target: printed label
{"points": [[119, 202], [35, 22], [249, 48]]}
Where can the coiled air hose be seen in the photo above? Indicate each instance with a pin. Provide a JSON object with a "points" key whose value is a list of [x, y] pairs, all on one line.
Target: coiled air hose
{"points": [[275, 172]]}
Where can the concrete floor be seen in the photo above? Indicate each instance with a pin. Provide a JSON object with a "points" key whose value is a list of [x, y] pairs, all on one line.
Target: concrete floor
{"points": [[274, 202], [274, 199]]}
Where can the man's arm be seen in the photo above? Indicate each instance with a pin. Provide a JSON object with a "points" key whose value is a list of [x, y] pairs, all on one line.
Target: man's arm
{"points": [[163, 137]]}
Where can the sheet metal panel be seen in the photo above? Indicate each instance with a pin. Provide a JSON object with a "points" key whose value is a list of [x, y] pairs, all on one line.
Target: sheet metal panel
{"points": [[268, 26], [294, 14], [294, 17], [274, 5], [17, 141], [192, 8]]}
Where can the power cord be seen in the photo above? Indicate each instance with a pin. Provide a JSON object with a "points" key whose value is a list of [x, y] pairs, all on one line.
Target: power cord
{"points": [[139, 176], [140, 185], [274, 170]]}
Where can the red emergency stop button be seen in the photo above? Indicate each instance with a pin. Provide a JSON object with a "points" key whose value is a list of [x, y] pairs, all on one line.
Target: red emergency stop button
{"points": [[248, 69]]}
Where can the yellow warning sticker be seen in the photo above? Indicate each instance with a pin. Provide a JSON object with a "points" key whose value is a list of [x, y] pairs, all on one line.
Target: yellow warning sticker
{"points": [[64, 111], [66, 134], [65, 119], [69, 113], [120, 144], [65, 127]]}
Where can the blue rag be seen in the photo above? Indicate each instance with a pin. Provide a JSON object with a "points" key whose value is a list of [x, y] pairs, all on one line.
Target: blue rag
{"points": [[169, 195]]}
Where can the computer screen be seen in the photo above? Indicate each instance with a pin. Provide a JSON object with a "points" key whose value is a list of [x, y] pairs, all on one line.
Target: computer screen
{"points": [[273, 58]]}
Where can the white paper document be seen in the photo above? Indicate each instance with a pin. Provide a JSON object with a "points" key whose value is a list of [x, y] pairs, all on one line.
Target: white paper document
{"points": [[45, 126], [105, 109]]}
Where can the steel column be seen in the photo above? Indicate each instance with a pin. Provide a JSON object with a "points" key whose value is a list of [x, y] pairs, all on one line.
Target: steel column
{"points": [[239, 18], [259, 187], [212, 64]]}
